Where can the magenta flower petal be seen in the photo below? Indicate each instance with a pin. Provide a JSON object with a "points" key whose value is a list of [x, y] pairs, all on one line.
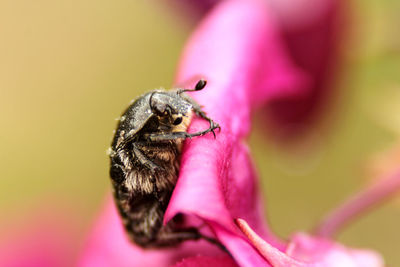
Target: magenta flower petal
{"points": [[46, 237], [312, 33], [307, 251], [202, 261], [241, 250], [297, 14], [274, 256]]}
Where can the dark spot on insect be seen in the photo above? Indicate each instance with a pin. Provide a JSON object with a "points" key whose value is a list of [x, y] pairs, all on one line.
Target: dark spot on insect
{"points": [[177, 121], [145, 164]]}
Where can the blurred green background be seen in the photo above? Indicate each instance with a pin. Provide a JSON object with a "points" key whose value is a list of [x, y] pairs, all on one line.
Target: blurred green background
{"points": [[68, 68]]}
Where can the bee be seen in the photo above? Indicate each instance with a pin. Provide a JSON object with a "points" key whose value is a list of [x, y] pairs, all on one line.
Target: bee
{"points": [[144, 155]]}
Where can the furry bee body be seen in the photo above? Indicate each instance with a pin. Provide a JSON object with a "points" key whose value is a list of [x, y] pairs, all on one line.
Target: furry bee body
{"points": [[145, 154]]}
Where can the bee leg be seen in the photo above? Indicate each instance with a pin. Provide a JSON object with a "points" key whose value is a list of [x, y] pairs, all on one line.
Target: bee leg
{"points": [[213, 125], [144, 160], [163, 137], [199, 112], [202, 114]]}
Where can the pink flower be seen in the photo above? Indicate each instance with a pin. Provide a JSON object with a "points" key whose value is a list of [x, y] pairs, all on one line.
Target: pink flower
{"points": [[252, 55], [239, 49], [217, 180]]}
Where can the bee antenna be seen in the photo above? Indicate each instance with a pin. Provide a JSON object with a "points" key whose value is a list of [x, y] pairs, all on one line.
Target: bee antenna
{"points": [[199, 86]]}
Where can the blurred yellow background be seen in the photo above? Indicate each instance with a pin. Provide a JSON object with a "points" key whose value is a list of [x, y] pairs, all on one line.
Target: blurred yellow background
{"points": [[69, 68]]}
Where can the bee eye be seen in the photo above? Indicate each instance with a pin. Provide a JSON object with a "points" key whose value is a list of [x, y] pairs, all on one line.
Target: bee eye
{"points": [[177, 121]]}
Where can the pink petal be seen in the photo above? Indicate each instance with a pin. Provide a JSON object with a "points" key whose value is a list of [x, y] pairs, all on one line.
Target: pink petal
{"points": [[312, 31], [202, 261], [240, 249], [307, 251], [297, 14], [291, 13], [44, 238], [274, 256]]}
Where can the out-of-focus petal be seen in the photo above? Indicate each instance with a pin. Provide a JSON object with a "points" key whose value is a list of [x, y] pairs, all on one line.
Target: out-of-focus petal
{"points": [[44, 238], [384, 188], [108, 245], [239, 50], [295, 14], [193, 10], [312, 33], [291, 13], [202, 261]]}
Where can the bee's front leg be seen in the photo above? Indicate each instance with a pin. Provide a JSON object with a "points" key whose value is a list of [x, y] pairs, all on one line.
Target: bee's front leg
{"points": [[144, 160], [164, 137]]}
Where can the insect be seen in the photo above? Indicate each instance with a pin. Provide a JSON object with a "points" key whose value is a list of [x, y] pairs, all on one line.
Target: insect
{"points": [[144, 168]]}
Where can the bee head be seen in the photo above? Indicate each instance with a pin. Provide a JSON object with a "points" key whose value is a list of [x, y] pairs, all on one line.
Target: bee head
{"points": [[171, 110]]}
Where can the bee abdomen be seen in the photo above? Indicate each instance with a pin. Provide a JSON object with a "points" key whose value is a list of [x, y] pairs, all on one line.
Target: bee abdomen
{"points": [[144, 218]]}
